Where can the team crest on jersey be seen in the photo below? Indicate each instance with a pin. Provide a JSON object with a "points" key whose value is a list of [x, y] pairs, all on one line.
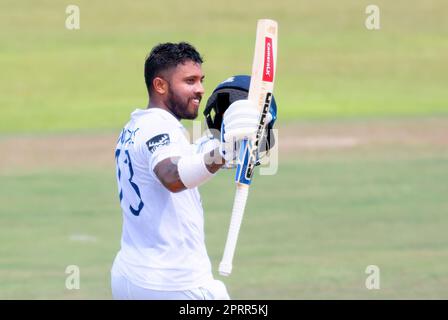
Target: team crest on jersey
{"points": [[158, 141]]}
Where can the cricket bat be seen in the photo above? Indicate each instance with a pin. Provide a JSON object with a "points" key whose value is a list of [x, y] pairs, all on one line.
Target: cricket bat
{"points": [[260, 92]]}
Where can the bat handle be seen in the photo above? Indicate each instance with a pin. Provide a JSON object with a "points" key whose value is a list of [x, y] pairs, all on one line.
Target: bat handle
{"points": [[242, 191]]}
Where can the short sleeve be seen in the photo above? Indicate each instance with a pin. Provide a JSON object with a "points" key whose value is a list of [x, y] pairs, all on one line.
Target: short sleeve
{"points": [[164, 145], [157, 144]]}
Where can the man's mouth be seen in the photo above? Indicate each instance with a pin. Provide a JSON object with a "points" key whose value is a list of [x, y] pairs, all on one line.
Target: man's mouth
{"points": [[196, 101]]}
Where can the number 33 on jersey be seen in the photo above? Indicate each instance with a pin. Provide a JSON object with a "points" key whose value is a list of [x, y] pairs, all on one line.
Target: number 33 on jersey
{"points": [[129, 191]]}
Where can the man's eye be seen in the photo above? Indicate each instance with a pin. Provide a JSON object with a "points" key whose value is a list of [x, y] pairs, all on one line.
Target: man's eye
{"points": [[190, 81]]}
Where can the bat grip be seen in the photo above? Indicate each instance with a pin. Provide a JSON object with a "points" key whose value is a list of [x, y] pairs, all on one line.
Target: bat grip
{"points": [[242, 191]]}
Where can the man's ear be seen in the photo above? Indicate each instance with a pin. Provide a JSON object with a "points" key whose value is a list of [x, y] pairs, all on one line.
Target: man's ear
{"points": [[160, 85]]}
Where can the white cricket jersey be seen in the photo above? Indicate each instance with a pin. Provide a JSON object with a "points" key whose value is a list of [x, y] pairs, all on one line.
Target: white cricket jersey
{"points": [[162, 244]]}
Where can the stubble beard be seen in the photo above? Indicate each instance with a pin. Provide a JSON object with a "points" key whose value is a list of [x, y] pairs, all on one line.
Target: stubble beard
{"points": [[179, 107]]}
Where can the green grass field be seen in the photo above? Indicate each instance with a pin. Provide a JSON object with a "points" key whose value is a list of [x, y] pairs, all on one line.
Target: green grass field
{"points": [[309, 233], [311, 230], [329, 64]]}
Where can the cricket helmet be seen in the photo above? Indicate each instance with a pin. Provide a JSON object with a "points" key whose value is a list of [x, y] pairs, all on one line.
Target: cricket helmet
{"points": [[228, 91]]}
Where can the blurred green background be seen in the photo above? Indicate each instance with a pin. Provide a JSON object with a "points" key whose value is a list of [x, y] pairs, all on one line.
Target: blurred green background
{"points": [[311, 230], [329, 64]]}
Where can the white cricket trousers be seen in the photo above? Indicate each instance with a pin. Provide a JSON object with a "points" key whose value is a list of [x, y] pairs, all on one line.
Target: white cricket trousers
{"points": [[123, 289]]}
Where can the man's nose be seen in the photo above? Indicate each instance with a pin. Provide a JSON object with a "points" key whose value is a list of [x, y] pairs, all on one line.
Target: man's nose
{"points": [[200, 88]]}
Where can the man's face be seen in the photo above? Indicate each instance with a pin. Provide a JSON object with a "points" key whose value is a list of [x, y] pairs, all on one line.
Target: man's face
{"points": [[185, 90]]}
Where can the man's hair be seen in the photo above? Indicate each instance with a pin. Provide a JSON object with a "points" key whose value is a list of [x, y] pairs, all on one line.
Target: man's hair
{"points": [[168, 55]]}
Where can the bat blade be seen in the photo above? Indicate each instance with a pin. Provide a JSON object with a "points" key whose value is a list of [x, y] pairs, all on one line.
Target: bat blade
{"points": [[260, 92]]}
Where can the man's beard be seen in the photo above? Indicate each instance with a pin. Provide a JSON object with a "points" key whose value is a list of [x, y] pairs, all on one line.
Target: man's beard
{"points": [[179, 105]]}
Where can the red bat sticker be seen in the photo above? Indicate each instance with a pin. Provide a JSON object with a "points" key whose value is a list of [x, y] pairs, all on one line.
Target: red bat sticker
{"points": [[268, 70]]}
